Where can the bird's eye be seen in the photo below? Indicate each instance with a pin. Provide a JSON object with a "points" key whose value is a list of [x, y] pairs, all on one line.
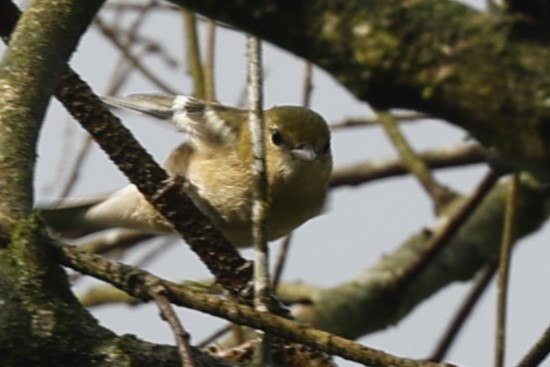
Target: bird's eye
{"points": [[325, 147], [277, 137]]}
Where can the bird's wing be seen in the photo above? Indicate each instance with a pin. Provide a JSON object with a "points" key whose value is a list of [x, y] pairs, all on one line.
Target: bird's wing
{"points": [[206, 123], [157, 105]]}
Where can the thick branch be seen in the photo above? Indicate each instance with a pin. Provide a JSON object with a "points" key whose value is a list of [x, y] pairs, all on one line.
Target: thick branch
{"points": [[434, 56], [22, 104], [134, 281], [472, 247]]}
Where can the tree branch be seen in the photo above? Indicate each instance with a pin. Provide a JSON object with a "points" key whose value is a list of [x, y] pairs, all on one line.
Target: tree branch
{"points": [[446, 60], [134, 281]]}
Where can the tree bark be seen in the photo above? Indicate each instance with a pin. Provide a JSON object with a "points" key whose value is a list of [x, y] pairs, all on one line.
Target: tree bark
{"points": [[475, 70]]}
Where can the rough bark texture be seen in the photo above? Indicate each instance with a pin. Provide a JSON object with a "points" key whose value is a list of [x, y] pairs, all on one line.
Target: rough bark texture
{"points": [[475, 70]]}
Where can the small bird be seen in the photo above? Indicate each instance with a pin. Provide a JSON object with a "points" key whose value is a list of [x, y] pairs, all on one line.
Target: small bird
{"points": [[215, 162]]}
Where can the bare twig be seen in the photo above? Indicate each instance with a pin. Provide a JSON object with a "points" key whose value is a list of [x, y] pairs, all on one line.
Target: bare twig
{"points": [[111, 35], [74, 170], [375, 121], [539, 351], [262, 291], [308, 84], [194, 62], [141, 15], [508, 237], [215, 336], [285, 247], [134, 281], [260, 202], [130, 36], [463, 313], [123, 68], [444, 234], [114, 244], [119, 77], [376, 169], [148, 46], [281, 261], [127, 6], [106, 295], [439, 193], [209, 85], [158, 250], [157, 293]]}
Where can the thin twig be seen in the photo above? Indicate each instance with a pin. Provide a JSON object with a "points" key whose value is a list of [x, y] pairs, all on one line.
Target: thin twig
{"points": [[123, 68], [376, 169], [375, 121], [132, 280], [539, 352], [130, 36], [281, 261], [140, 18], [508, 237], [215, 336], [443, 235], [256, 123], [157, 293], [111, 35], [194, 62], [260, 202], [119, 77], [113, 242], [155, 252], [439, 193], [148, 46], [308, 84], [117, 80], [74, 170], [210, 58], [126, 6], [285, 247], [463, 313]]}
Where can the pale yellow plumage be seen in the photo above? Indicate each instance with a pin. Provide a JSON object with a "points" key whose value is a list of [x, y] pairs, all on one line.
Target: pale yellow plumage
{"points": [[216, 163]]}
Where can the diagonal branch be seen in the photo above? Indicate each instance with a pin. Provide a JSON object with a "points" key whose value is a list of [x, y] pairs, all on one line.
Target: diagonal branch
{"points": [[134, 281], [377, 169], [231, 270], [440, 194]]}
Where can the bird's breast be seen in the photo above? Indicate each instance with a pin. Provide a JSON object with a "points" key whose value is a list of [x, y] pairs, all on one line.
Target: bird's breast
{"points": [[223, 191]]}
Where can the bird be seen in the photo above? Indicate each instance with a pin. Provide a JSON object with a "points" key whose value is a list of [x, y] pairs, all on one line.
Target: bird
{"points": [[215, 161]]}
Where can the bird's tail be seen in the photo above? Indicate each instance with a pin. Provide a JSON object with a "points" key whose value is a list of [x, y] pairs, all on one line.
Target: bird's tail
{"points": [[70, 221]]}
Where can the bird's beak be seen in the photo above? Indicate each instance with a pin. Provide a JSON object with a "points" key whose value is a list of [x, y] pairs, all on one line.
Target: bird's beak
{"points": [[305, 152]]}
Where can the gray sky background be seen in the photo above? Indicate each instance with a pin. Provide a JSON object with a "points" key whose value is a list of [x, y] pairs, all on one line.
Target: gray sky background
{"points": [[360, 224]]}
